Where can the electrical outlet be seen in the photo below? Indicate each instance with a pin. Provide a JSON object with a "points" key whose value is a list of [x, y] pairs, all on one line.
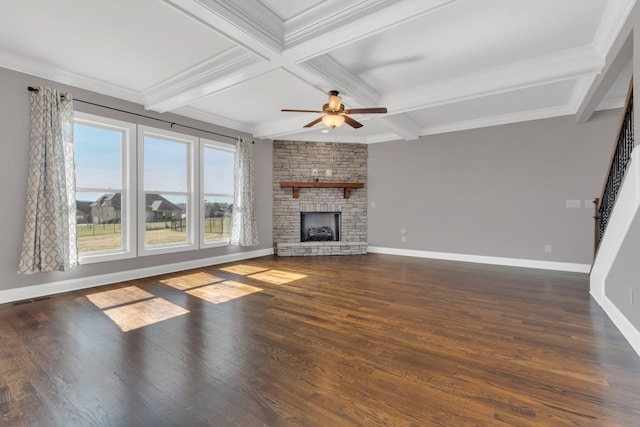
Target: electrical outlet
{"points": [[572, 203], [547, 249], [403, 239], [373, 204], [328, 172], [314, 172]]}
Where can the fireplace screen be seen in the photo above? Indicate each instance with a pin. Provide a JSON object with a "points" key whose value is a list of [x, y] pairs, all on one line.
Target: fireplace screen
{"points": [[319, 226]]}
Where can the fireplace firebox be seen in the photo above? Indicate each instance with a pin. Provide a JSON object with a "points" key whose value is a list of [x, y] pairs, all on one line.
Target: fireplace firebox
{"points": [[319, 226]]}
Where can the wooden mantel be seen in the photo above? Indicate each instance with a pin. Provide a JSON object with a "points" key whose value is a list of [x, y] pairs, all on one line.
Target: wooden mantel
{"points": [[347, 186]]}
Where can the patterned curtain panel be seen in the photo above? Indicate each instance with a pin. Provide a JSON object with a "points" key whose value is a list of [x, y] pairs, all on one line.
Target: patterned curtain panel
{"points": [[244, 230], [50, 226]]}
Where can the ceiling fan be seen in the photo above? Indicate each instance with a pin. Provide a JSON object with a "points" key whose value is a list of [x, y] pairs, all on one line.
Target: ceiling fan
{"points": [[336, 114]]}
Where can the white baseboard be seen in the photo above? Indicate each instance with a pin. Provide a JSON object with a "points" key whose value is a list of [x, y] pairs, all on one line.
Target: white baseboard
{"points": [[622, 323], [511, 262], [35, 291]]}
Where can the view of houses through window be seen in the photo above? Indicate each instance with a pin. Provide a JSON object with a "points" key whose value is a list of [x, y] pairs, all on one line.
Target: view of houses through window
{"points": [[167, 190], [217, 188], [185, 189]]}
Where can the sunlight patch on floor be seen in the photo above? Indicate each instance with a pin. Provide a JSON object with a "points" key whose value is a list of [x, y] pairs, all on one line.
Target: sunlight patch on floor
{"points": [[223, 291], [277, 277], [118, 296], [190, 281], [144, 313], [243, 269]]}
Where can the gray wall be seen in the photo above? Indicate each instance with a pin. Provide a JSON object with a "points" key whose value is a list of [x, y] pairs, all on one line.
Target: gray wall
{"points": [[624, 276], [496, 191], [14, 151]]}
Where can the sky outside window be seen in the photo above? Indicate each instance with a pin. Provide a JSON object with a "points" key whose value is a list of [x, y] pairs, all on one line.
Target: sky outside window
{"points": [[98, 157]]}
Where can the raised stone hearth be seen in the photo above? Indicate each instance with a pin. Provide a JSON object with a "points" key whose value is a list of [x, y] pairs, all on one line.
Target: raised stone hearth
{"points": [[294, 162], [321, 248]]}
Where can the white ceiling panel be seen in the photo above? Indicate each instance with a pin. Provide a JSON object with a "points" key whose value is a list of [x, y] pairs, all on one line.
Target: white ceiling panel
{"points": [[469, 36], [516, 105], [437, 65], [132, 44], [261, 99]]}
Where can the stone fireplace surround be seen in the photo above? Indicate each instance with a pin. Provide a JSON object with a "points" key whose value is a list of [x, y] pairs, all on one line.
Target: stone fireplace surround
{"points": [[294, 161]]}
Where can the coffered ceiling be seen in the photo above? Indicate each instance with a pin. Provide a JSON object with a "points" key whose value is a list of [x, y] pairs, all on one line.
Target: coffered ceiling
{"points": [[437, 65]]}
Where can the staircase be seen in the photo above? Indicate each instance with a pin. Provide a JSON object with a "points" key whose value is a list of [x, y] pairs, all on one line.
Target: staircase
{"points": [[616, 266]]}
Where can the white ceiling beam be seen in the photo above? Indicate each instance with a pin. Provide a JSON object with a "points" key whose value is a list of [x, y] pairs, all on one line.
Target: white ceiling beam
{"points": [[331, 72], [399, 124], [232, 67], [621, 53]]}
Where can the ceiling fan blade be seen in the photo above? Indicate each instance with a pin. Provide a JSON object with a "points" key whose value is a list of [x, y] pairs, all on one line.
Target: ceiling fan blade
{"points": [[301, 111], [366, 110], [353, 123], [316, 121]]}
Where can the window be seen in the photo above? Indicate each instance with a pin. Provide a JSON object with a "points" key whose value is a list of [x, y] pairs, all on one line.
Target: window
{"points": [[166, 191], [181, 186], [104, 188], [217, 162]]}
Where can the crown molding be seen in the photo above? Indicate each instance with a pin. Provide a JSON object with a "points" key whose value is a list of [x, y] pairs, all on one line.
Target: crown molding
{"points": [[556, 67], [231, 67], [215, 119], [611, 103], [25, 65]]}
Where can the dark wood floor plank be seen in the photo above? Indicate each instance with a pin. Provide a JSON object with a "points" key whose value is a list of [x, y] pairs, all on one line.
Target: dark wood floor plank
{"points": [[353, 340]]}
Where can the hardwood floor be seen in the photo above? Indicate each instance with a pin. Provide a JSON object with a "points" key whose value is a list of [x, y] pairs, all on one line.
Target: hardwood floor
{"points": [[321, 341]]}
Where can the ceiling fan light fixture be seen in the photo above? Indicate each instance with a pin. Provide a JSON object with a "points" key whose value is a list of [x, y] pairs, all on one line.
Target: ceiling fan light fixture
{"points": [[334, 103], [333, 120]]}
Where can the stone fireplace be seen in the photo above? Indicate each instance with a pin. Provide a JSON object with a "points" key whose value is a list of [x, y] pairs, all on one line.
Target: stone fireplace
{"points": [[342, 227]]}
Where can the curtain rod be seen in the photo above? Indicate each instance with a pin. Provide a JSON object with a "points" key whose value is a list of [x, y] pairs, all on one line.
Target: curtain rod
{"points": [[172, 124]]}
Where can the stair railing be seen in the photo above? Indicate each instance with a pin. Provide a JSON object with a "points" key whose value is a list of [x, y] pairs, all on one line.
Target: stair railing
{"points": [[617, 166]]}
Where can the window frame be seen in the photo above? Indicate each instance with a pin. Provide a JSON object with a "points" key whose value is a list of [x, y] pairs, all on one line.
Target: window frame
{"points": [[193, 208], [127, 192], [204, 144]]}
